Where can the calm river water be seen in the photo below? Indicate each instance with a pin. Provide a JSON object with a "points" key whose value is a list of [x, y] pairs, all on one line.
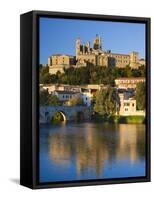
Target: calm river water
{"points": [[91, 151]]}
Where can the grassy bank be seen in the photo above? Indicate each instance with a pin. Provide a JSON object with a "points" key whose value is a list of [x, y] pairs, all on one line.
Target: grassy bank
{"points": [[120, 119], [128, 119]]}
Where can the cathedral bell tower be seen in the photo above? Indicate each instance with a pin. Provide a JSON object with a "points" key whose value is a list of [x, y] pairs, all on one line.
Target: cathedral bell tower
{"points": [[97, 43], [77, 46]]}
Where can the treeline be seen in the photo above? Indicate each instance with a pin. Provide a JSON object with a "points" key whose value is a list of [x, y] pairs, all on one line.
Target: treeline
{"points": [[140, 96], [106, 100], [89, 75], [47, 99]]}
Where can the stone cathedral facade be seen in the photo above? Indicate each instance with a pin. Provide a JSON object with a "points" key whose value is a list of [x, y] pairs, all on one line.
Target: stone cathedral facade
{"points": [[95, 55]]}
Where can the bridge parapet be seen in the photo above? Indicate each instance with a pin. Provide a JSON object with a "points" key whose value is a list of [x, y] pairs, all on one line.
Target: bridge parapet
{"points": [[70, 112]]}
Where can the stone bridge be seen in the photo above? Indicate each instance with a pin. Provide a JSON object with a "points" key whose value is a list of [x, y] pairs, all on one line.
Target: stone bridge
{"points": [[69, 113]]}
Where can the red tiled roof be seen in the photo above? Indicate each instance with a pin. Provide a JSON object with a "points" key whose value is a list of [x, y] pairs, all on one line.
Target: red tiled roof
{"points": [[131, 78], [66, 92]]}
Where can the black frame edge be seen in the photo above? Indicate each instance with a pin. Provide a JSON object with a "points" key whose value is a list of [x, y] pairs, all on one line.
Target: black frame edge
{"points": [[26, 100], [148, 97], [90, 15]]}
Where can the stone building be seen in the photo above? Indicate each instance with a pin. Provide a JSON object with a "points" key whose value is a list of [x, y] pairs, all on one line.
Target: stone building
{"points": [[95, 55], [58, 62], [128, 106], [128, 83], [65, 92], [65, 96], [98, 56]]}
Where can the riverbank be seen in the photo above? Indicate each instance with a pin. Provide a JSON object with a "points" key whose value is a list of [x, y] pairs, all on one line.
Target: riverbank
{"points": [[120, 119]]}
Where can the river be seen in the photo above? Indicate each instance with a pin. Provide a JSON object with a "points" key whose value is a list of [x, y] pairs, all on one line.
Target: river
{"points": [[81, 151]]}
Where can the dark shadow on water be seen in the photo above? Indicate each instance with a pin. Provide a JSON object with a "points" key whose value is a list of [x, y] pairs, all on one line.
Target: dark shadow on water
{"points": [[15, 180]]}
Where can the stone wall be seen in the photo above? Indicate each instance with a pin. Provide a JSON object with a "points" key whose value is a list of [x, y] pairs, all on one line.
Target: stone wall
{"points": [[70, 112]]}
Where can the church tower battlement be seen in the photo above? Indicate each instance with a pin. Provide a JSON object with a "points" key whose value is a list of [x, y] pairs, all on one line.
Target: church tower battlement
{"points": [[97, 43], [78, 46], [82, 49]]}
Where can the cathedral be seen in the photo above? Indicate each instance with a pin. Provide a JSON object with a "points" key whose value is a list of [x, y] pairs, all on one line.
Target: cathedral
{"points": [[95, 55]]}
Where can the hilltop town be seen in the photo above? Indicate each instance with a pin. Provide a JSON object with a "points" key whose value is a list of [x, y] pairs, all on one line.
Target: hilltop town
{"points": [[106, 82], [96, 55]]}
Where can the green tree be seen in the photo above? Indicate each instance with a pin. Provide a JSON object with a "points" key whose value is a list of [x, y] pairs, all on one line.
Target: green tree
{"points": [[53, 78], [45, 78], [44, 75], [44, 70], [76, 100], [53, 100], [90, 75], [128, 71], [140, 96], [105, 102], [47, 99], [43, 97]]}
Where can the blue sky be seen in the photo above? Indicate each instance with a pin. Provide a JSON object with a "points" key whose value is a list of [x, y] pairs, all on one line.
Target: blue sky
{"points": [[59, 36]]}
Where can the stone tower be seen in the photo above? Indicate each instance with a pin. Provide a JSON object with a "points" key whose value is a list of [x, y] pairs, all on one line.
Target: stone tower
{"points": [[77, 46], [134, 59], [88, 47], [97, 43]]}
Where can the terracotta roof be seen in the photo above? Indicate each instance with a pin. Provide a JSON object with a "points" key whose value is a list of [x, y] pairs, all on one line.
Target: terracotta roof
{"points": [[65, 92], [131, 78], [120, 54]]}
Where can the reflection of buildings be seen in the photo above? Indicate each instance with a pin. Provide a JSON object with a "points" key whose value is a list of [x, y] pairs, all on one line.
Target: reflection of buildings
{"points": [[60, 153], [88, 155], [92, 150], [129, 142], [96, 55], [91, 154]]}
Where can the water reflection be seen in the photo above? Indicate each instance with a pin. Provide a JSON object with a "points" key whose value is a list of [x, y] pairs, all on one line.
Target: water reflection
{"points": [[82, 151]]}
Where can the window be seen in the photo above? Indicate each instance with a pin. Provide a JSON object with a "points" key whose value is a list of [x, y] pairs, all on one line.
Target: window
{"points": [[126, 109], [126, 104], [133, 104]]}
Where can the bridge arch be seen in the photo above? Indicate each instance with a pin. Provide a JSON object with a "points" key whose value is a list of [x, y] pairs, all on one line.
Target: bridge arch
{"points": [[61, 116], [67, 113]]}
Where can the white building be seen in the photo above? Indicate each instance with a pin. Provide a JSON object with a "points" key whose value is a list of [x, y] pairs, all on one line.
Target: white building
{"points": [[87, 95], [65, 92], [65, 95], [128, 106], [125, 83]]}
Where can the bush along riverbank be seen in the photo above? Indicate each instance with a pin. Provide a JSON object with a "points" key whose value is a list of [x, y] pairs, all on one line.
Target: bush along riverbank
{"points": [[120, 119]]}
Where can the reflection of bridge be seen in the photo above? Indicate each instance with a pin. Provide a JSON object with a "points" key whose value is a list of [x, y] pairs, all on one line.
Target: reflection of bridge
{"points": [[69, 113]]}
